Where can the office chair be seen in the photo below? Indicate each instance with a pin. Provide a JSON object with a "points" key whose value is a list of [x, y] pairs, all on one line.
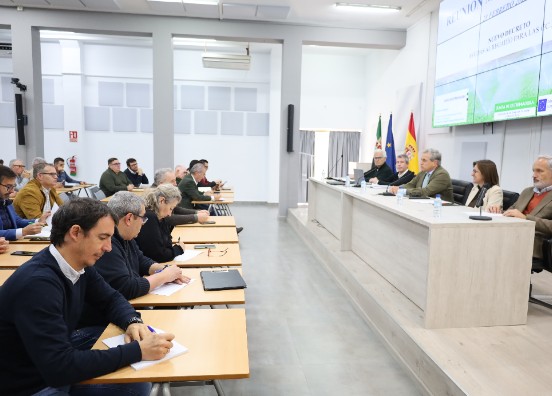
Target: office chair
{"points": [[460, 190], [538, 266], [96, 193], [508, 199]]}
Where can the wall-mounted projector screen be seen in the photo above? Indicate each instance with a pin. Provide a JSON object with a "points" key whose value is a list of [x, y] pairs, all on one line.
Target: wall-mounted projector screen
{"points": [[494, 61]]}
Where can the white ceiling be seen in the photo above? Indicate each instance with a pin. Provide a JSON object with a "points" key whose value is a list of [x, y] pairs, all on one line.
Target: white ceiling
{"points": [[303, 12]]}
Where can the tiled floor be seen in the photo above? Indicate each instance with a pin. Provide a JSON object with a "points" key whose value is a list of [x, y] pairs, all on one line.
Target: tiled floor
{"points": [[304, 337]]}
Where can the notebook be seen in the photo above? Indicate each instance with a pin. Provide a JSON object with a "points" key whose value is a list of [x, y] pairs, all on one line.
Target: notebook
{"points": [[222, 280]]}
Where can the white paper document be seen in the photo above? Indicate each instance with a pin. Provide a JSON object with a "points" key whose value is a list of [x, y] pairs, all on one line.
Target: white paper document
{"points": [[483, 213], [176, 350], [187, 255], [169, 288]]}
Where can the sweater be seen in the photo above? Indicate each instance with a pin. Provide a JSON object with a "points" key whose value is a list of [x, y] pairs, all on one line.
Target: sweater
{"points": [[111, 182], [39, 309], [135, 178], [155, 239], [30, 200]]}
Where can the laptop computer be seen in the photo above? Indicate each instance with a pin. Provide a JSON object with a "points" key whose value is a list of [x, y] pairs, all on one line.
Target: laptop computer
{"points": [[222, 280]]}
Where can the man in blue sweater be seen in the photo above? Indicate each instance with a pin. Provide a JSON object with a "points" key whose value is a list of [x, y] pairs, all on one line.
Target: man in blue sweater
{"points": [[42, 301]]}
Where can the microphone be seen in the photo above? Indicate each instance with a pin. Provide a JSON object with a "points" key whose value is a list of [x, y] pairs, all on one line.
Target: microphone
{"points": [[479, 203], [333, 167]]}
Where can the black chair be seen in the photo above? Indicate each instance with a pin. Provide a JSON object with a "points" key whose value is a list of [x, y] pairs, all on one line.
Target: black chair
{"points": [[460, 190], [538, 266], [508, 199], [97, 193]]}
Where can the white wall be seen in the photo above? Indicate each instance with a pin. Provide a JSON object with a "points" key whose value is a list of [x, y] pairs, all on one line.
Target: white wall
{"points": [[7, 134]]}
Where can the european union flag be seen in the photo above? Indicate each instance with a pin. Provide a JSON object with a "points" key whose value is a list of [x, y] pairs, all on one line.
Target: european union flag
{"points": [[390, 145], [542, 105]]}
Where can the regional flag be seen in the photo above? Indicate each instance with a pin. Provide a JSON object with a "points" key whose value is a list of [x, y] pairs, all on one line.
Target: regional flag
{"points": [[390, 146], [411, 147], [378, 135]]}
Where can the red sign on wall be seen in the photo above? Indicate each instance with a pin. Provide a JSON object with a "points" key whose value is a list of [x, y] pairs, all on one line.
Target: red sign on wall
{"points": [[73, 136]]}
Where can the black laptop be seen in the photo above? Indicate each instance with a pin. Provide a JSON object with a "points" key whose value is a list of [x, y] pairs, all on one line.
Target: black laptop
{"points": [[222, 280]]}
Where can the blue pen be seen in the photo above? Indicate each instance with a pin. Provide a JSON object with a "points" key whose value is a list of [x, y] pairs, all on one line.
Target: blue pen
{"points": [[151, 329]]}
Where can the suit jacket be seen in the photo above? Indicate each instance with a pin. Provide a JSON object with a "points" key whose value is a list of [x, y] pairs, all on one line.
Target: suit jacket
{"points": [[439, 183], [399, 181], [541, 215], [30, 200], [190, 192], [383, 173], [17, 222], [493, 196]]}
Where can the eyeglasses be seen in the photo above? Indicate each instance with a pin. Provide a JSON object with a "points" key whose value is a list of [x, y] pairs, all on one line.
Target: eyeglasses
{"points": [[19, 166], [144, 218], [220, 253], [8, 186], [53, 174], [115, 163], [378, 158]]}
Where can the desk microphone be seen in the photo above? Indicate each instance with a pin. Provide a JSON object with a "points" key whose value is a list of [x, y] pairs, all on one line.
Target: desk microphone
{"points": [[333, 167], [479, 203]]}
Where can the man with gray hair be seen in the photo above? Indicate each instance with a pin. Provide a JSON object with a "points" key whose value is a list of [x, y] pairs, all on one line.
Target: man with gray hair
{"points": [[22, 176], [402, 176], [535, 203], [189, 190], [125, 267], [380, 171], [432, 180], [39, 195]]}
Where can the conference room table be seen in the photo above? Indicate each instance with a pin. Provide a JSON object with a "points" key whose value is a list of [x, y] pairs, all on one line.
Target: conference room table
{"points": [[220, 221], [200, 235], [137, 191], [216, 340], [7, 260], [72, 189], [222, 255], [192, 294], [459, 272]]}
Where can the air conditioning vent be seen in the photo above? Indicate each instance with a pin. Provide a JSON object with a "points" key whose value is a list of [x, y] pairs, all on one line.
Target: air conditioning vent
{"points": [[226, 61], [5, 50]]}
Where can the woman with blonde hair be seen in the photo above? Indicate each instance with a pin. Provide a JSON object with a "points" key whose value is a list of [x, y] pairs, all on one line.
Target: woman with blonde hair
{"points": [[155, 239]]}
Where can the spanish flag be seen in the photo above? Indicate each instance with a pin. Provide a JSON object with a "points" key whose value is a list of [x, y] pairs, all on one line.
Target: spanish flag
{"points": [[411, 147]]}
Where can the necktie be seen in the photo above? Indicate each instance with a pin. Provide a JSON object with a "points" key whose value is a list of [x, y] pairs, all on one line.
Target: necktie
{"points": [[426, 180]]}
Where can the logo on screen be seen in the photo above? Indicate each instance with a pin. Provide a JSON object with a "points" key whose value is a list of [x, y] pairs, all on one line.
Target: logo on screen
{"points": [[542, 105]]}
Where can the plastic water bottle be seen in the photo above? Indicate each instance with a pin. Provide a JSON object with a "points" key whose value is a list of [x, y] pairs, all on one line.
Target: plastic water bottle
{"points": [[400, 196], [437, 206], [347, 181], [323, 173], [363, 185]]}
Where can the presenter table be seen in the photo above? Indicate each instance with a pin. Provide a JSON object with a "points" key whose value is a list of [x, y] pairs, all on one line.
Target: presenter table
{"points": [[220, 221], [222, 255], [216, 340], [7, 260], [459, 272], [205, 235], [192, 294]]}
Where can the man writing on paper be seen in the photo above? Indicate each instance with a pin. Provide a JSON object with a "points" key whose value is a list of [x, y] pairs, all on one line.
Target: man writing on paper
{"points": [[39, 195], [432, 180], [41, 349], [13, 227], [125, 267]]}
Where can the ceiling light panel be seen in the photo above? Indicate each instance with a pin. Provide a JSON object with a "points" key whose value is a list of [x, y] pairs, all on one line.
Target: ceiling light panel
{"points": [[239, 11], [202, 9], [273, 12], [368, 7], [101, 5], [167, 6]]}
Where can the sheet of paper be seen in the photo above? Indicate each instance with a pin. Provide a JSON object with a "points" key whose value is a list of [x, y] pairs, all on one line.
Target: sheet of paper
{"points": [[377, 186], [177, 350], [188, 255], [169, 288], [483, 213], [49, 219]]}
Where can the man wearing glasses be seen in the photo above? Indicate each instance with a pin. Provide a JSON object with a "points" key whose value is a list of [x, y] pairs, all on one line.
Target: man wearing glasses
{"points": [[13, 227], [113, 180], [125, 267], [135, 174], [39, 195], [381, 171], [22, 176]]}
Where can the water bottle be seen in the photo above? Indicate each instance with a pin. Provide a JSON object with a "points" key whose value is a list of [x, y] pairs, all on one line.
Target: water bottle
{"points": [[400, 196], [323, 173], [347, 181], [363, 185], [437, 206]]}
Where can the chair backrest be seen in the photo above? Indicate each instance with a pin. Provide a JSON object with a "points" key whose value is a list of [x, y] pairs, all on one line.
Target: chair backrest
{"points": [[96, 193], [508, 199], [65, 197], [460, 190]]}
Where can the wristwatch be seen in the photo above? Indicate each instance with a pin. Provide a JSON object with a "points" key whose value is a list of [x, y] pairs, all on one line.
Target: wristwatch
{"points": [[134, 319]]}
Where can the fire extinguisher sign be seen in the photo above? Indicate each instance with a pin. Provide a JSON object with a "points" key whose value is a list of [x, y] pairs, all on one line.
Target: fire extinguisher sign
{"points": [[73, 136]]}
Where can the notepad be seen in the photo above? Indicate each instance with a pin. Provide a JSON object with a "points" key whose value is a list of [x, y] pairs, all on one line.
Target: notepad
{"points": [[222, 280], [177, 350], [187, 255], [169, 288]]}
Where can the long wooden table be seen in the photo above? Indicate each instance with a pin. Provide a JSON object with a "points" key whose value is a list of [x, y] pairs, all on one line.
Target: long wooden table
{"points": [[220, 221], [200, 235], [223, 255], [72, 189], [459, 272], [7, 260], [216, 340]]}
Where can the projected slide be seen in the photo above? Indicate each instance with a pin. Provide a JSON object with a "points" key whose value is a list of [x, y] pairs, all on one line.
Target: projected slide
{"points": [[455, 59], [454, 103], [545, 86], [547, 29]]}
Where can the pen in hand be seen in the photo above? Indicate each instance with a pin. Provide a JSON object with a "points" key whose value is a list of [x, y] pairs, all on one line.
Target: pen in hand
{"points": [[151, 329]]}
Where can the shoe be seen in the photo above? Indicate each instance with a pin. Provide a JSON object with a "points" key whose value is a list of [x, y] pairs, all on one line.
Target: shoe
{"points": [[239, 229]]}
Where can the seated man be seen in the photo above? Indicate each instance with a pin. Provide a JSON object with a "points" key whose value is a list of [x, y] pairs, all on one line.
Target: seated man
{"points": [[432, 180], [180, 172], [188, 188], [42, 301], [22, 176], [135, 174], [402, 176], [113, 180], [535, 203], [13, 227], [179, 215], [63, 177], [125, 267], [215, 185], [381, 171], [39, 195]]}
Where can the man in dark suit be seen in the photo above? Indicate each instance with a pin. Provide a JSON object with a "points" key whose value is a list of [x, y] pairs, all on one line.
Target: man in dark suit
{"points": [[535, 203], [403, 175], [380, 171], [13, 227], [189, 190], [432, 180]]}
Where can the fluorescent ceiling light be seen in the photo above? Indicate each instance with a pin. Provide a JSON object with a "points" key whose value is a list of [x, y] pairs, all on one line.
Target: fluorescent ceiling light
{"points": [[370, 7], [226, 61]]}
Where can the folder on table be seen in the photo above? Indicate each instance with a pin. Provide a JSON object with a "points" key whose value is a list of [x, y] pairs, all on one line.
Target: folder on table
{"points": [[222, 280]]}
